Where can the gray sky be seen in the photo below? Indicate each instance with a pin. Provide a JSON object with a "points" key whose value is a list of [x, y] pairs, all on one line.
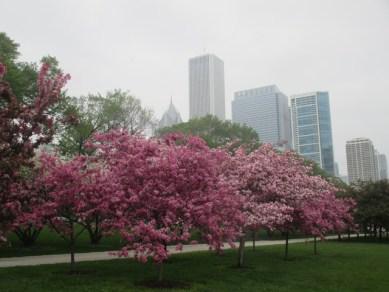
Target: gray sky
{"points": [[340, 46]]}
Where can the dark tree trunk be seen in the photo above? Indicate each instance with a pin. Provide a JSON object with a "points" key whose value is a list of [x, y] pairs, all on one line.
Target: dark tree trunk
{"points": [[315, 245], [241, 251], [348, 234], [71, 249], [380, 232], [95, 234], [253, 240], [286, 245], [358, 234], [28, 236], [339, 237]]}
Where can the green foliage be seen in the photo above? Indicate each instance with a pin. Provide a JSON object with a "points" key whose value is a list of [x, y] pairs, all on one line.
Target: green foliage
{"points": [[20, 75], [97, 113], [215, 132], [372, 204]]}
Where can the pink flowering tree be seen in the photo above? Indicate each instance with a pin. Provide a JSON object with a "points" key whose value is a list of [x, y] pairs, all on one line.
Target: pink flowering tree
{"points": [[74, 190], [262, 181], [165, 189], [23, 128], [25, 197], [281, 194]]}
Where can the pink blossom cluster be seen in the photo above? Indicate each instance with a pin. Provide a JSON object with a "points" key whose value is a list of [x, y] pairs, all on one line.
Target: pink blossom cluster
{"points": [[156, 192], [281, 193]]}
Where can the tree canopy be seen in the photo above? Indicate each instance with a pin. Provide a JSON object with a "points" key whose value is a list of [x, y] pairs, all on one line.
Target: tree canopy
{"points": [[215, 132], [98, 113], [372, 211]]}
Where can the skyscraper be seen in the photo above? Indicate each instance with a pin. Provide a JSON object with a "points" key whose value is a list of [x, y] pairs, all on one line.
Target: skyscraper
{"points": [[206, 87], [382, 165], [361, 160], [170, 117], [311, 128], [265, 109]]}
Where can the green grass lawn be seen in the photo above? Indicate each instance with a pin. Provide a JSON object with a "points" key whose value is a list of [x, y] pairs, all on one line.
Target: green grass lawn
{"points": [[340, 266], [51, 243]]}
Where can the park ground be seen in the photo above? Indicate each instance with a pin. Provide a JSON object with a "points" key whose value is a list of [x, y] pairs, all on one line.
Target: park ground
{"points": [[340, 266]]}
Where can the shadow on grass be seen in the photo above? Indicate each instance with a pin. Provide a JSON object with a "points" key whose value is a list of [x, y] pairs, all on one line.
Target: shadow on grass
{"points": [[164, 284], [364, 240]]}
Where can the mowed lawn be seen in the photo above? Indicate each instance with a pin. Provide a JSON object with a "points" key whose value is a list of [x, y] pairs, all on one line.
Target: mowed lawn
{"points": [[340, 266], [50, 242]]}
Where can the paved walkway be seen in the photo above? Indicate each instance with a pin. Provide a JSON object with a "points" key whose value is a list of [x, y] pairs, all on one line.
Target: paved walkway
{"points": [[107, 255]]}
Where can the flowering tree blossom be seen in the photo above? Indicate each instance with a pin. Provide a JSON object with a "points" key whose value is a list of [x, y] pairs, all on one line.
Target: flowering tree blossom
{"points": [[280, 193], [22, 129], [26, 195], [74, 202], [165, 189]]}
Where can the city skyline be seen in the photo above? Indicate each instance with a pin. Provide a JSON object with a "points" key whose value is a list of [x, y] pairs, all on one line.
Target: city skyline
{"points": [[335, 46]]}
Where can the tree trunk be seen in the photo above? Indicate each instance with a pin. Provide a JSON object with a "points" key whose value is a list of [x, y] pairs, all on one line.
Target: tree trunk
{"points": [[241, 251], [380, 232], [71, 249], [95, 234], [315, 245], [286, 245], [94, 237], [28, 236], [348, 234], [358, 234], [253, 240], [339, 237]]}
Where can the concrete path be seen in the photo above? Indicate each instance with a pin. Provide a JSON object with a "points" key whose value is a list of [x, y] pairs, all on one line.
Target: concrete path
{"points": [[107, 255]]}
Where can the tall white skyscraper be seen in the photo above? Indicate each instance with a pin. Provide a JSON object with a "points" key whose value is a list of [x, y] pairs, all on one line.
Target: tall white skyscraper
{"points": [[206, 87], [265, 109], [311, 128], [361, 160]]}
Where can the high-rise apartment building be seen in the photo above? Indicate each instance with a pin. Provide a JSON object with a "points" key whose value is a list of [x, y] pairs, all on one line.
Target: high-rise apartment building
{"points": [[311, 128], [206, 87], [382, 165], [265, 109], [361, 160]]}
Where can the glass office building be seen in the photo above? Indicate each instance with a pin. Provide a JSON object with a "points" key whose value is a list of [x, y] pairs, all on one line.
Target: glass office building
{"points": [[311, 128], [265, 109]]}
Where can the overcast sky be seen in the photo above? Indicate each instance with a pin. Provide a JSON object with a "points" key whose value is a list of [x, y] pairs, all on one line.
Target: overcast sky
{"points": [[340, 46]]}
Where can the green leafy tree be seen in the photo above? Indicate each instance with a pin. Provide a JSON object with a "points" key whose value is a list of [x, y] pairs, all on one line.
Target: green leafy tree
{"points": [[372, 212], [215, 132], [97, 113], [21, 76]]}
